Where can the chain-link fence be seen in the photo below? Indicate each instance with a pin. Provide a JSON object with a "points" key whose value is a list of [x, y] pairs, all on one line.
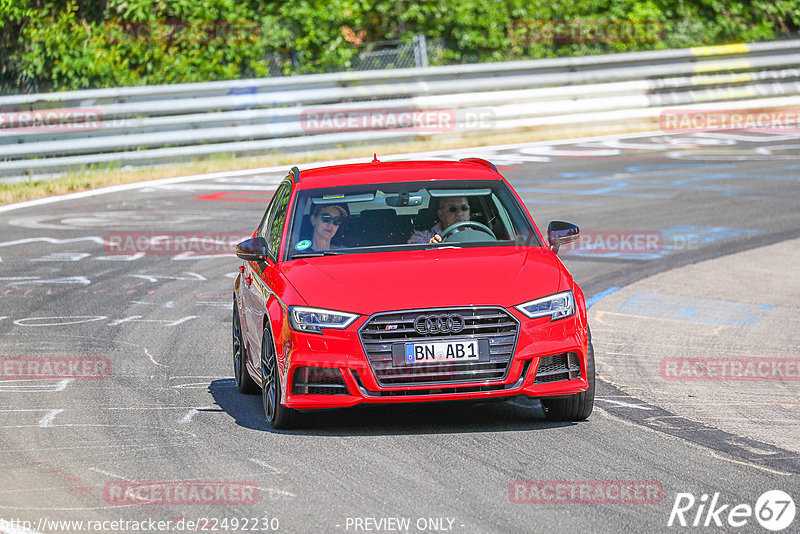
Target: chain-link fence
{"points": [[396, 54]]}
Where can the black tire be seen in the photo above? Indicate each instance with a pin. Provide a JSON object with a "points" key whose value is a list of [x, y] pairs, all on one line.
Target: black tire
{"points": [[575, 407], [278, 416], [244, 382]]}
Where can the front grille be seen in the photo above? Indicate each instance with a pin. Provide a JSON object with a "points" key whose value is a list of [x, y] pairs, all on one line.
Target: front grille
{"points": [[318, 381], [494, 325], [442, 391], [558, 367]]}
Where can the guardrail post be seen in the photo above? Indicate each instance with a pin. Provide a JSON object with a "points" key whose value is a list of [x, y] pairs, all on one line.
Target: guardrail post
{"points": [[420, 51]]}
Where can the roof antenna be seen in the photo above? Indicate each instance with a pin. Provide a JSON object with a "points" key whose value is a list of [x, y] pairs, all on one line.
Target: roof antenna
{"points": [[375, 158]]}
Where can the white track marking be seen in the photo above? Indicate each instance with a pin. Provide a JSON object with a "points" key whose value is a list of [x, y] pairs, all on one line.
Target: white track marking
{"points": [[63, 280], [47, 420], [155, 278], [748, 464], [624, 404], [165, 322], [265, 465], [189, 255], [168, 304], [63, 256], [193, 385], [194, 411], [275, 493], [75, 319], [39, 386], [62, 385], [191, 376], [21, 410], [53, 241], [192, 188], [188, 417], [112, 475], [122, 257], [152, 359], [133, 408]]}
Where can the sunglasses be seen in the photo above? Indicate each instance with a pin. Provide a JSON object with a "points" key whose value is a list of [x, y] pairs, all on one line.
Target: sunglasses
{"points": [[330, 219], [453, 209]]}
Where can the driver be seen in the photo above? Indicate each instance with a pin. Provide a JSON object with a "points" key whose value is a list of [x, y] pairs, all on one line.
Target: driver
{"points": [[451, 210]]}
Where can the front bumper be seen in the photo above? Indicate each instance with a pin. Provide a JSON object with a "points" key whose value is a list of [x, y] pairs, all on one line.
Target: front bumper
{"points": [[538, 342]]}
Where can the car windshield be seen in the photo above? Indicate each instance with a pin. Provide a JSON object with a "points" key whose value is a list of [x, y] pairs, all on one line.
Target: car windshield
{"points": [[398, 216]]}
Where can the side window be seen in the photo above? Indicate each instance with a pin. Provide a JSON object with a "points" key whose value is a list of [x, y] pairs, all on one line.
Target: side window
{"points": [[273, 230], [262, 227]]}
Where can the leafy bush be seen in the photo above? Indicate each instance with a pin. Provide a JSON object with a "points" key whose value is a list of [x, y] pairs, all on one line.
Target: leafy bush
{"points": [[68, 44]]}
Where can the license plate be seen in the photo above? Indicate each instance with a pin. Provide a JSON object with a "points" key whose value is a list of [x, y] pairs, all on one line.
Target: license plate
{"points": [[444, 351]]}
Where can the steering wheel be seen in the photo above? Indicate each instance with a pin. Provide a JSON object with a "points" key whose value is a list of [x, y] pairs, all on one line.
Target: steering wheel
{"points": [[450, 230]]}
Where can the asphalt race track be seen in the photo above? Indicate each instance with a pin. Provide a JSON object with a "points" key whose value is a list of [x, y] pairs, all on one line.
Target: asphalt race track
{"points": [[164, 408]]}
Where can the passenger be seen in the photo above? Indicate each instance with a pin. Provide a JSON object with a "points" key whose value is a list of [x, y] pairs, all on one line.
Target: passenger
{"points": [[326, 219], [451, 210]]}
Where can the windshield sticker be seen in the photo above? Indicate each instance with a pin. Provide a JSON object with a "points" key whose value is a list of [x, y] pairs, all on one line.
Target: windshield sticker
{"points": [[302, 245], [330, 197]]}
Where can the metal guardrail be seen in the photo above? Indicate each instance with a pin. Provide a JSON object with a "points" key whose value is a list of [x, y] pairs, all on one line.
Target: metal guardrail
{"points": [[161, 124]]}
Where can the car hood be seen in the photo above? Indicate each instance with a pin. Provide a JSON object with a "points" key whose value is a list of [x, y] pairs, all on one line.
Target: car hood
{"points": [[476, 276]]}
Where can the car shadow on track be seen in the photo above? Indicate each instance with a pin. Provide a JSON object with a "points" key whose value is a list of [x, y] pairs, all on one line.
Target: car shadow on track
{"points": [[519, 413]]}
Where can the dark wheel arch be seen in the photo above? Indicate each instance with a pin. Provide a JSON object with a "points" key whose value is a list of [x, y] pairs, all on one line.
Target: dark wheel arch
{"points": [[278, 416], [244, 382]]}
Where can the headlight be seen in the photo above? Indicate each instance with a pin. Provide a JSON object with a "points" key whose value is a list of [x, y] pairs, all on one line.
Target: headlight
{"points": [[555, 306], [314, 320]]}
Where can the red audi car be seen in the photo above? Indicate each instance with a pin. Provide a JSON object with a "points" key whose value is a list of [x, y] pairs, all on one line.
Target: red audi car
{"points": [[415, 281]]}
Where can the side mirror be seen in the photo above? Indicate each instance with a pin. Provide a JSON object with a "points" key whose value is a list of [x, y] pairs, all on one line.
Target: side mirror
{"points": [[560, 233], [253, 249]]}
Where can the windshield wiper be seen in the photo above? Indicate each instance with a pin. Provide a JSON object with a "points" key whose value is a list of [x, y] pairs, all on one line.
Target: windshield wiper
{"points": [[439, 246], [318, 254]]}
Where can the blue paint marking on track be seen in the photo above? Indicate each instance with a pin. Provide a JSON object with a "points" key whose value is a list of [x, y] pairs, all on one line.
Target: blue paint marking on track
{"points": [[674, 239], [684, 237], [691, 309], [529, 200], [616, 189], [679, 167], [664, 181], [594, 299]]}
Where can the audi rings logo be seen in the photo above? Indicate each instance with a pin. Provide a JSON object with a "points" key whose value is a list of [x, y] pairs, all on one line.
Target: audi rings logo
{"points": [[449, 323]]}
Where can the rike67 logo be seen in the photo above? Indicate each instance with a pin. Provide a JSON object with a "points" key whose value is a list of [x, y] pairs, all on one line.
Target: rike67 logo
{"points": [[774, 510]]}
